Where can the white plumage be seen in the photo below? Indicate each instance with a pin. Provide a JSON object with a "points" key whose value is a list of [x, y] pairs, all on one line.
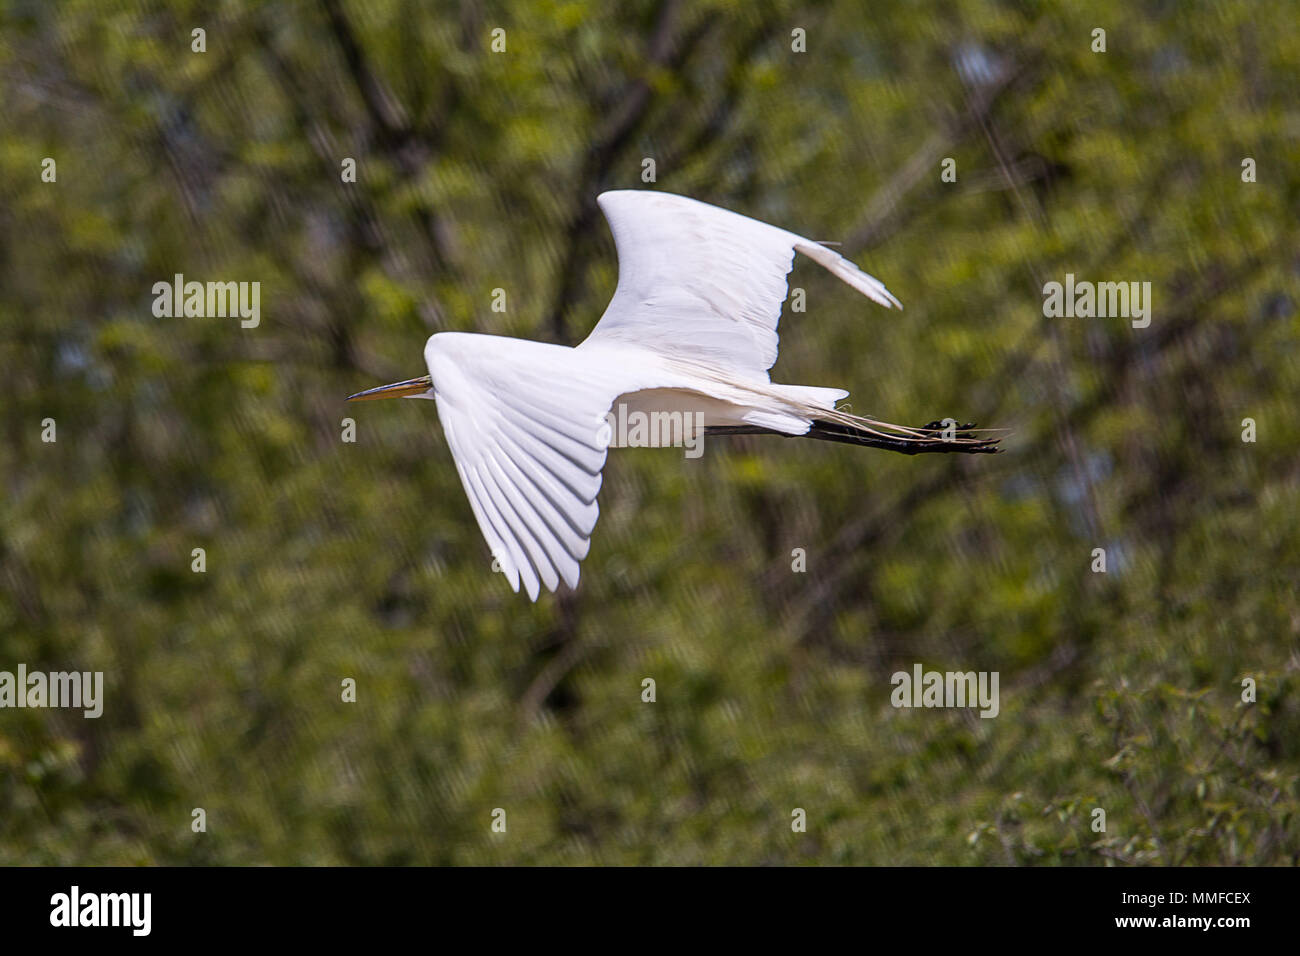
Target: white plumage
{"points": [[692, 325]]}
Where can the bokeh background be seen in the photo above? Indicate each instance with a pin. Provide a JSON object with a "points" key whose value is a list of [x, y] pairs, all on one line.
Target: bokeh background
{"points": [[478, 170]]}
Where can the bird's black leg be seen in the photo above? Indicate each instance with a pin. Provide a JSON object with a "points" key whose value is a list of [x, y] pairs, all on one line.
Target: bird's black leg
{"points": [[830, 431]]}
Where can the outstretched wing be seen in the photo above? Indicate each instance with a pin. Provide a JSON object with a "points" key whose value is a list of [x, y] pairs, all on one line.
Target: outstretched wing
{"points": [[526, 426], [702, 283]]}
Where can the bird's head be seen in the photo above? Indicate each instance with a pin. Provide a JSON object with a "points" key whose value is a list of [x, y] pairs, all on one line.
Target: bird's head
{"points": [[421, 387]]}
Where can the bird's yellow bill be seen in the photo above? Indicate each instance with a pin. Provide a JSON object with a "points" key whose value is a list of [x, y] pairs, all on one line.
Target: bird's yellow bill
{"points": [[412, 386]]}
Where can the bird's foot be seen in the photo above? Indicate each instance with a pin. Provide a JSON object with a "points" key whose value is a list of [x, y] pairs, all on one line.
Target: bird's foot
{"points": [[950, 428], [961, 435]]}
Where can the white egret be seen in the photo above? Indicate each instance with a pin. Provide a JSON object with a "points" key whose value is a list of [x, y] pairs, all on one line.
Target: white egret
{"points": [[691, 329]]}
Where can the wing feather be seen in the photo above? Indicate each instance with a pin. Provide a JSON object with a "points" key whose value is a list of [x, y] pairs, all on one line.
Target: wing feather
{"points": [[521, 495], [575, 545], [705, 284], [536, 565], [515, 560], [496, 544], [525, 423]]}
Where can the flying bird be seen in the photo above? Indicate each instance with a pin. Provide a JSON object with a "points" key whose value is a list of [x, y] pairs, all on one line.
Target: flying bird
{"points": [[691, 329]]}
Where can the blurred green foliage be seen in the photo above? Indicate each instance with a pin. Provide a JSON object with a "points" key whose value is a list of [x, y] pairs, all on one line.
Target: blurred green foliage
{"points": [[478, 170]]}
